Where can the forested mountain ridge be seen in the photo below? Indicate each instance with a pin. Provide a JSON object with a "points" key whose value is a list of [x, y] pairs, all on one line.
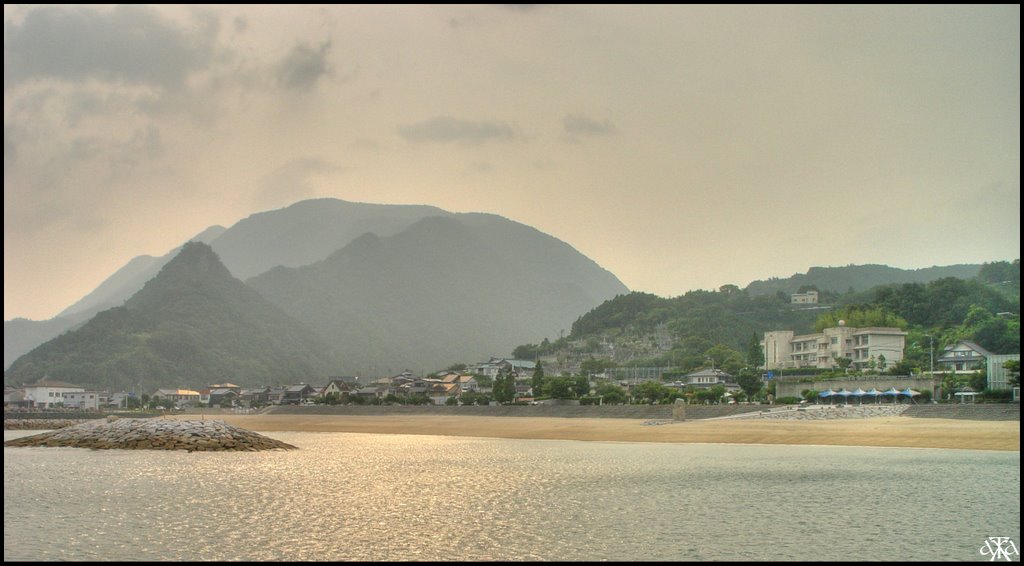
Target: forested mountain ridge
{"points": [[448, 288], [190, 326], [724, 326], [298, 234], [838, 280]]}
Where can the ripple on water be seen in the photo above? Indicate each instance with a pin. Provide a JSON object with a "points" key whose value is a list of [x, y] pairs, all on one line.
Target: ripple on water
{"points": [[394, 497]]}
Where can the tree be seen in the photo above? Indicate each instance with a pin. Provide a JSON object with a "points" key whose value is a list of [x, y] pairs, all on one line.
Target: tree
{"points": [[504, 388], [717, 392], [537, 381], [592, 366], [1013, 368], [858, 316], [979, 380], [559, 387], [611, 394], [581, 386], [721, 354], [729, 289], [750, 382], [526, 352], [650, 391], [755, 355]]}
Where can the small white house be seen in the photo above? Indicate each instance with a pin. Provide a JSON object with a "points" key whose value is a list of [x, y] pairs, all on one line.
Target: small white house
{"points": [[47, 394], [86, 400]]}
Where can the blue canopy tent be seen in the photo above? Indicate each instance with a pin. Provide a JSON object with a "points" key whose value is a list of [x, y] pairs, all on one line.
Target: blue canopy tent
{"points": [[874, 393], [892, 392], [827, 393], [910, 393], [859, 394], [844, 393]]}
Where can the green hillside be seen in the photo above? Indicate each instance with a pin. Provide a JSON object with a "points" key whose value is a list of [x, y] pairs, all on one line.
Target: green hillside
{"points": [[838, 280], [448, 288], [723, 327], [190, 326]]}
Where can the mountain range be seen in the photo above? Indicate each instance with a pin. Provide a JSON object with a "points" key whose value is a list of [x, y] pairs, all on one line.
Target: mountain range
{"points": [[385, 286], [859, 278], [299, 234], [445, 290], [373, 289]]}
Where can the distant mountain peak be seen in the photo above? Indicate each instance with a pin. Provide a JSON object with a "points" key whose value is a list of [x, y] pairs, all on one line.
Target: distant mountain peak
{"points": [[191, 325], [196, 261]]}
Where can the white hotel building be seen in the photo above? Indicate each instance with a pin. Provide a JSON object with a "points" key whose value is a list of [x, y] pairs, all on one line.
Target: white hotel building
{"points": [[783, 350]]}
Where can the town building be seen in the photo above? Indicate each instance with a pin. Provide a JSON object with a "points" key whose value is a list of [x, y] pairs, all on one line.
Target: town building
{"points": [[298, 393], [706, 378], [466, 383], [14, 397], [490, 368], [807, 298], [998, 376], [86, 400], [871, 348], [177, 397], [966, 357], [963, 357], [47, 394]]}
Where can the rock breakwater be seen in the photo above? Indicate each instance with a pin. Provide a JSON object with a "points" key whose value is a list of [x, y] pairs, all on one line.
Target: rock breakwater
{"points": [[154, 434], [830, 412]]}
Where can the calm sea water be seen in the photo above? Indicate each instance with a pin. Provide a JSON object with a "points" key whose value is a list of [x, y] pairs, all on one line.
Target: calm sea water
{"points": [[349, 496]]}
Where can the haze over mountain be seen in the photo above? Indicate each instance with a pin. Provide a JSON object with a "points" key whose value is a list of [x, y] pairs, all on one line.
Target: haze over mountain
{"points": [[126, 281], [309, 231], [190, 326], [859, 278], [21, 335], [401, 292], [299, 234], [447, 289]]}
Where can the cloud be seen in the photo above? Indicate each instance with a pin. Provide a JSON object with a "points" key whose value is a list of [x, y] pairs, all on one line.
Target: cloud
{"points": [[578, 125], [291, 182], [520, 7], [10, 150], [481, 167], [303, 66], [446, 129], [133, 44]]}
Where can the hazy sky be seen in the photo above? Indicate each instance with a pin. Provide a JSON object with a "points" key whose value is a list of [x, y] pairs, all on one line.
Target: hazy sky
{"points": [[680, 147]]}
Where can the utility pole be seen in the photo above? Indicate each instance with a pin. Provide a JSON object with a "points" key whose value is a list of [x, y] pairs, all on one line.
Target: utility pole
{"points": [[931, 355], [931, 364]]}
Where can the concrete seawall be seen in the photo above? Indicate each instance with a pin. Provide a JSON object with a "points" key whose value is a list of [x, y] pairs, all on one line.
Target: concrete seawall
{"points": [[559, 411], [980, 411], [966, 411]]}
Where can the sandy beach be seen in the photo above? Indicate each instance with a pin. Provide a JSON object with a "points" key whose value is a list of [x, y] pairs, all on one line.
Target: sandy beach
{"points": [[880, 431]]}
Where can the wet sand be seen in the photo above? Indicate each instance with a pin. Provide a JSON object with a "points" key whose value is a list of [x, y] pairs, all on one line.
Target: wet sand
{"points": [[881, 431]]}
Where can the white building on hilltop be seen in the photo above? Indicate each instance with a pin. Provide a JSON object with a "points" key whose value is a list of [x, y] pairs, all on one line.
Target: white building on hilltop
{"points": [[808, 298], [867, 348]]}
